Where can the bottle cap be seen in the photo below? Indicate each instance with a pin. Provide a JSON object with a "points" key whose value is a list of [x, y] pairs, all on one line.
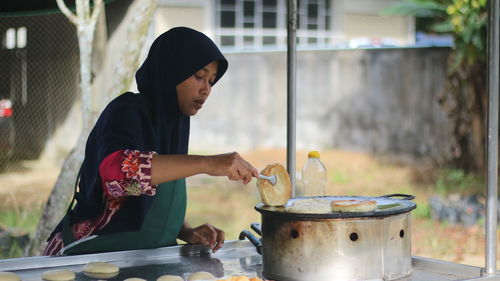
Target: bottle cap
{"points": [[313, 154]]}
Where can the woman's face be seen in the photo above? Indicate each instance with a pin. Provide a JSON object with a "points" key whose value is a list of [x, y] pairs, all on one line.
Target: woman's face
{"points": [[192, 92]]}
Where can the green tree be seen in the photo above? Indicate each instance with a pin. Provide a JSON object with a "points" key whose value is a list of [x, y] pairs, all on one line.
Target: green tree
{"points": [[465, 96]]}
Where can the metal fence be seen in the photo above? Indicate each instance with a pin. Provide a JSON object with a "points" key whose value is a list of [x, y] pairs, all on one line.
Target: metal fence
{"points": [[39, 70]]}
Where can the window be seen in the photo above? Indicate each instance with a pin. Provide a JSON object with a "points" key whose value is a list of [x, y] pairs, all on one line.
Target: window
{"points": [[312, 11], [10, 38], [228, 18], [313, 21], [250, 24], [248, 14], [228, 13], [21, 37], [248, 40], [268, 40], [269, 20], [227, 40], [249, 9], [15, 38]]}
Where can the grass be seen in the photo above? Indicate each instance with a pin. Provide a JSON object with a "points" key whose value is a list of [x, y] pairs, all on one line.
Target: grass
{"points": [[19, 221], [25, 219], [339, 178], [457, 181], [226, 205], [422, 211]]}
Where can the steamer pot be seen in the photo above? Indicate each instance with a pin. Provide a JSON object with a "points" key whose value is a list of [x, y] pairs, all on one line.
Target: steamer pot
{"points": [[372, 245]]}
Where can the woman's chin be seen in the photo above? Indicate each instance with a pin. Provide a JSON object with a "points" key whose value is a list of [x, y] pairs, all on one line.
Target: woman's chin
{"points": [[190, 112]]}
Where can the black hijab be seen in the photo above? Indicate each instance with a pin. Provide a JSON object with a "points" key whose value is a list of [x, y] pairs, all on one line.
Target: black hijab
{"points": [[148, 121]]}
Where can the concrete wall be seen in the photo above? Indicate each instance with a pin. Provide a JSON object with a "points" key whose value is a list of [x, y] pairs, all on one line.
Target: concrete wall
{"points": [[383, 101]]}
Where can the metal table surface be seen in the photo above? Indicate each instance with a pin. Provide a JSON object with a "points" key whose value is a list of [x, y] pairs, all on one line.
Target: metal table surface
{"points": [[235, 258]]}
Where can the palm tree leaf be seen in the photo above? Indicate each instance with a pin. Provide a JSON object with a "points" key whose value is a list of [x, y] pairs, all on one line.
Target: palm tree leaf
{"points": [[422, 8], [442, 27]]}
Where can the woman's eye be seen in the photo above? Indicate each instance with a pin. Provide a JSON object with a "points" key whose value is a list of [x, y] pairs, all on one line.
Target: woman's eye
{"points": [[211, 83], [198, 77]]}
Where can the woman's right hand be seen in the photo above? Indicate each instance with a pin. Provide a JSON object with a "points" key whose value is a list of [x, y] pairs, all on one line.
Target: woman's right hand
{"points": [[231, 165]]}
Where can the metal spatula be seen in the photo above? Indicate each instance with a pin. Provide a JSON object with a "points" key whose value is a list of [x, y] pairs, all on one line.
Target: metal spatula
{"points": [[271, 178]]}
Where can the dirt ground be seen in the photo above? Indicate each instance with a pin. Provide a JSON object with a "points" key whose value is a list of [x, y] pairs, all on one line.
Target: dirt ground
{"points": [[28, 184], [349, 173]]}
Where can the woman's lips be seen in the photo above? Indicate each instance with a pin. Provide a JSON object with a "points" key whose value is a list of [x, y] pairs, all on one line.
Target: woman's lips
{"points": [[199, 103]]}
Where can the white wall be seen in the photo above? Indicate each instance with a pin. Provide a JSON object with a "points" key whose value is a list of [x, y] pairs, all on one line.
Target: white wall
{"points": [[197, 14]]}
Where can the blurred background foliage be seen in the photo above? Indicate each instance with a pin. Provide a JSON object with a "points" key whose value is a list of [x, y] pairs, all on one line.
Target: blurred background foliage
{"points": [[465, 96]]}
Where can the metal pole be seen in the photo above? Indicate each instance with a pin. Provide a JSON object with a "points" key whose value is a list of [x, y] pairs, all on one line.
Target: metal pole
{"points": [[291, 58], [291, 88], [492, 142]]}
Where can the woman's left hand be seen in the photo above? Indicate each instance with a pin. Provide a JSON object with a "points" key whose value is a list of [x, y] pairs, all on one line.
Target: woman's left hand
{"points": [[206, 234]]}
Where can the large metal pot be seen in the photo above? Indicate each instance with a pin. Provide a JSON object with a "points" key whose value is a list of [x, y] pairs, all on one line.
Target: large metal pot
{"points": [[372, 245]]}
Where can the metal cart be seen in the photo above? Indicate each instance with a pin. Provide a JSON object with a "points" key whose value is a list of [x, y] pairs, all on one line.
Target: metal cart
{"points": [[241, 258]]}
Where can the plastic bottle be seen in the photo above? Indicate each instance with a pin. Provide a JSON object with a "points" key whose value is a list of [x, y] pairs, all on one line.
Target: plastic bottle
{"points": [[313, 176]]}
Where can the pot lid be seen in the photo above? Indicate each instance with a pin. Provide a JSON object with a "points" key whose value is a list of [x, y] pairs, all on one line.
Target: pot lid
{"points": [[387, 205]]}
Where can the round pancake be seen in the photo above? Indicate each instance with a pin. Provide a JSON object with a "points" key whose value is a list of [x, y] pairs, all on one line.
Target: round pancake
{"points": [[100, 275], [59, 275], [100, 270], [100, 267], [170, 278], [275, 195], [310, 206], [9, 276], [201, 275]]}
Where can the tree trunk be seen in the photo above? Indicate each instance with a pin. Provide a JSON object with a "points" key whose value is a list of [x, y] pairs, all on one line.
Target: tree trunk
{"points": [[465, 102], [133, 29], [59, 199], [122, 60]]}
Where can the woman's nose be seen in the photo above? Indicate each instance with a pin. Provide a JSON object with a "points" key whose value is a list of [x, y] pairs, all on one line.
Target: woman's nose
{"points": [[206, 88]]}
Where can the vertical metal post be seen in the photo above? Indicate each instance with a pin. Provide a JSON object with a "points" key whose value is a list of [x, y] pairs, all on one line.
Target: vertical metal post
{"points": [[492, 141], [291, 88]]}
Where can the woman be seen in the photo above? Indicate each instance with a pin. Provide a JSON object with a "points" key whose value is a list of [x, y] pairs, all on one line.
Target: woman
{"points": [[132, 192]]}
